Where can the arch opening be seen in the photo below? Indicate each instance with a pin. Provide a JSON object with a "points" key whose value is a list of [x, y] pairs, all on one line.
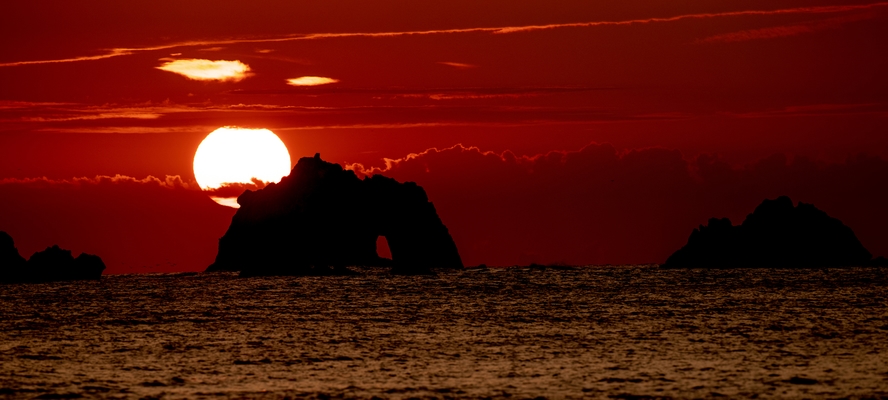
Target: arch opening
{"points": [[382, 248]]}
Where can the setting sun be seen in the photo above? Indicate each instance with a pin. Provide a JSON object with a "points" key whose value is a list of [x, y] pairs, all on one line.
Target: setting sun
{"points": [[231, 155]]}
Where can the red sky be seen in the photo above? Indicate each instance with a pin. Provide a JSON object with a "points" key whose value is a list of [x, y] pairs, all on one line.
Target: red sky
{"points": [[584, 132]]}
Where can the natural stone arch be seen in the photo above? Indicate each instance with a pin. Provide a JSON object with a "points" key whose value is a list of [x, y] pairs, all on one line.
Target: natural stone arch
{"points": [[324, 216]]}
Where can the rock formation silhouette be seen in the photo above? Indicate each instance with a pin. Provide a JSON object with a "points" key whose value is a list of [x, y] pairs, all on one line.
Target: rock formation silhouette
{"points": [[52, 264], [775, 235], [321, 219], [10, 260]]}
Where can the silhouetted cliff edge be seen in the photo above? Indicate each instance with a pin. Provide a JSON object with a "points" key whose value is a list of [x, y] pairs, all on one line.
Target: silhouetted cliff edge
{"points": [[775, 235], [52, 264], [322, 218]]}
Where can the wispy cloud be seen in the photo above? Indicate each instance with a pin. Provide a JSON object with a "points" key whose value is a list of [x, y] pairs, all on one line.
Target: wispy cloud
{"points": [[135, 130], [393, 125], [117, 52], [169, 181], [471, 95], [41, 112], [457, 65], [64, 112], [121, 115], [785, 30], [208, 70], [799, 10], [492, 124], [765, 33], [19, 105], [310, 81], [820, 110], [110, 54], [452, 91]]}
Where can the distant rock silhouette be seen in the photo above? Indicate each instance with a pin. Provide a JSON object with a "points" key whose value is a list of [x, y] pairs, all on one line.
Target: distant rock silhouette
{"points": [[10, 260], [775, 235], [322, 218], [52, 264]]}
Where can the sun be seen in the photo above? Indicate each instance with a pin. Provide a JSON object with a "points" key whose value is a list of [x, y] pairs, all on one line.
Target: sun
{"points": [[231, 155]]}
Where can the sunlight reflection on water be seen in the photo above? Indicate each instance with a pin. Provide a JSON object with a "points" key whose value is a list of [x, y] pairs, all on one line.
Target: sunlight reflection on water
{"points": [[522, 333]]}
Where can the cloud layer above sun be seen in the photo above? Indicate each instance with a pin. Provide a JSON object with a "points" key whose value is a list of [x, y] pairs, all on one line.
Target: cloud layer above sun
{"points": [[208, 70]]}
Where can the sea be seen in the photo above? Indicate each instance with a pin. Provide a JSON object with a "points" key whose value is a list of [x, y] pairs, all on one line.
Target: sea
{"points": [[631, 332]]}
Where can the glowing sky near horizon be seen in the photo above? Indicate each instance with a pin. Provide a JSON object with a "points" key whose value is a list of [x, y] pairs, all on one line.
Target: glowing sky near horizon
{"points": [[666, 113]]}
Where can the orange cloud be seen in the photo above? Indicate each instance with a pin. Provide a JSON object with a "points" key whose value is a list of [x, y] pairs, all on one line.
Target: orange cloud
{"points": [[208, 70], [310, 81]]}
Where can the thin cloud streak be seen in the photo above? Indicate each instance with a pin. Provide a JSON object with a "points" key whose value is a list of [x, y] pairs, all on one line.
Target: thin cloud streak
{"points": [[134, 115], [801, 10], [23, 105], [168, 182], [820, 110], [466, 91], [784, 31], [132, 130], [118, 52], [492, 124], [457, 65]]}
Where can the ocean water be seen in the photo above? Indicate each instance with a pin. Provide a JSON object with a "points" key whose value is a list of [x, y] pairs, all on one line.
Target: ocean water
{"points": [[498, 333]]}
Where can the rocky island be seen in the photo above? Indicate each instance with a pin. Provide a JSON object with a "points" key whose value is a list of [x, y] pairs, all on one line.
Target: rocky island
{"points": [[322, 218], [776, 235], [52, 264]]}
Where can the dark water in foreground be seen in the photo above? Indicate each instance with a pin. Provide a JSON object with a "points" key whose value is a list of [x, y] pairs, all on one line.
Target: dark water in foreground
{"points": [[498, 333]]}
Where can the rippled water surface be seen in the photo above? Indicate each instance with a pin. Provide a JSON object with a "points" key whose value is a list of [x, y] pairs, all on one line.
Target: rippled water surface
{"points": [[618, 332]]}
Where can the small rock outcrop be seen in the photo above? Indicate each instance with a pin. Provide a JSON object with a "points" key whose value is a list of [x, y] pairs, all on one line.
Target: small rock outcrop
{"points": [[52, 264], [321, 219], [10, 260], [775, 235]]}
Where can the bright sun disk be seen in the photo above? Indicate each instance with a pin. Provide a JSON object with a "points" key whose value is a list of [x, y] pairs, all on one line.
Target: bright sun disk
{"points": [[231, 155]]}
